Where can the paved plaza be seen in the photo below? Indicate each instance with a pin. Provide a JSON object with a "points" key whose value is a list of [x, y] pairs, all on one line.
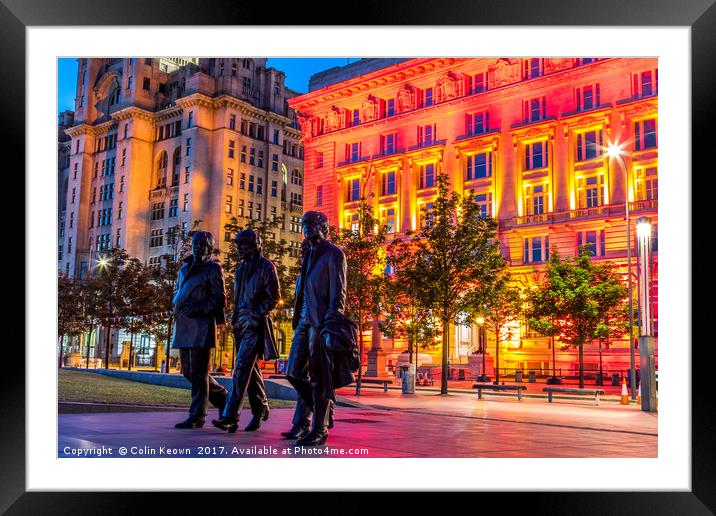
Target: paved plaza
{"points": [[378, 424]]}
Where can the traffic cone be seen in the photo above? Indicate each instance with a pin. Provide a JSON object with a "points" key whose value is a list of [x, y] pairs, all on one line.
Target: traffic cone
{"points": [[625, 394]]}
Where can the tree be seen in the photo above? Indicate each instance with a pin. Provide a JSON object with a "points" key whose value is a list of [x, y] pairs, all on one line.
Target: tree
{"points": [[108, 274], [457, 253], [498, 304], [365, 264], [580, 301], [71, 319], [137, 295], [404, 317]]}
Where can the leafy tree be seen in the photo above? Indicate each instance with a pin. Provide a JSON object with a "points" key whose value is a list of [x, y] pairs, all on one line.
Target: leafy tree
{"points": [[457, 253], [107, 283], [580, 301], [365, 264], [70, 316], [404, 317], [137, 294], [498, 304]]}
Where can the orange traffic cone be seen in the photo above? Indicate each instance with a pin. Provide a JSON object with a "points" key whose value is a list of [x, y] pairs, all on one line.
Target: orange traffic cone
{"points": [[625, 394]]}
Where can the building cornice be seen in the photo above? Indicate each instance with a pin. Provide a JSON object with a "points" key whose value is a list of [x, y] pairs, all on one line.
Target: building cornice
{"points": [[133, 112], [81, 129]]}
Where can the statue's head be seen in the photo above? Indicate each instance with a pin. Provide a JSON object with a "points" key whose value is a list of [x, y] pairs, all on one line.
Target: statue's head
{"points": [[315, 225], [202, 245], [248, 244]]}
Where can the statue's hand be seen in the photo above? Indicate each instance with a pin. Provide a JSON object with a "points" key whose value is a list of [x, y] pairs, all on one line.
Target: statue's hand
{"points": [[191, 310]]}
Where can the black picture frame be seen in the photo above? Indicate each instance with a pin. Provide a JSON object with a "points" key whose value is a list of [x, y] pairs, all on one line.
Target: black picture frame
{"points": [[699, 15]]}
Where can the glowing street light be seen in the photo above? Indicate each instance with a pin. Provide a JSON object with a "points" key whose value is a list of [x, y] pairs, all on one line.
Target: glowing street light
{"points": [[102, 262], [646, 340], [615, 151], [483, 346]]}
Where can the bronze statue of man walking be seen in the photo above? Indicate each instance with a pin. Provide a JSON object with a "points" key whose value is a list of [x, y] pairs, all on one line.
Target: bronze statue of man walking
{"points": [[256, 293]]}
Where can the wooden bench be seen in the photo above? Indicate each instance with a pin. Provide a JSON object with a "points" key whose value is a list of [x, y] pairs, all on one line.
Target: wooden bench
{"points": [[574, 392], [384, 381], [491, 387]]}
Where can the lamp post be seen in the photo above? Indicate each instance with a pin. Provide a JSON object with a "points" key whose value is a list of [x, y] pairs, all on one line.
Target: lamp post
{"points": [[646, 340], [615, 151], [483, 346]]}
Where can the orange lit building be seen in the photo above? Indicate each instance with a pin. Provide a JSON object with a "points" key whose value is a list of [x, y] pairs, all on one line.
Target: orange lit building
{"points": [[528, 135]]}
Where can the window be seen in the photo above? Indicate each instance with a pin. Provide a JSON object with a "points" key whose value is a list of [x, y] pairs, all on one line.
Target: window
{"points": [[353, 152], [296, 199], [241, 208], [157, 238], [186, 203], [319, 195], [388, 216], [532, 68], [249, 212], [69, 247], [427, 175], [477, 123], [478, 83], [146, 84], [427, 97], [148, 61], [275, 136], [188, 147], [353, 191], [119, 232], [645, 83], [126, 131], [251, 183], [536, 249], [589, 145], [534, 110], [484, 201], [229, 204], [119, 210], [232, 145], [232, 122], [593, 239], [74, 193], [535, 199], [426, 135], [186, 175], [388, 183], [296, 177], [536, 155], [590, 191], [274, 162], [124, 157], [243, 154], [252, 156], [425, 213], [190, 120], [157, 211], [260, 162], [587, 97], [72, 219], [242, 181], [230, 177], [319, 160], [390, 107], [647, 184], [645, 134], [259, 185], [274, 188], [121, 183], [388, 143], [479, 166]]}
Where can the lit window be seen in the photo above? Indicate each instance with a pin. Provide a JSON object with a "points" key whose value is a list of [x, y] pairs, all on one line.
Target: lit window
{"points": [[388, 183], [353, 191], [229, 204], [230, 176], [479, 166], [645, 134], [536, 249], [536, 155], [484, 201], [535, 199], [590, 191], [589, 145], [647, 184], [427, 175]]}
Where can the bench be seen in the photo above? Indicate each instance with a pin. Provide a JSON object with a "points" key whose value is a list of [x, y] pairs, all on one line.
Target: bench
{"points": [[490, 387], [384, 381], [574, 392]]}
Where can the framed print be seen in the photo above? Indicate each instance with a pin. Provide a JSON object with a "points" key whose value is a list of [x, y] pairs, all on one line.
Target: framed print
{"points": [[556, 125]]}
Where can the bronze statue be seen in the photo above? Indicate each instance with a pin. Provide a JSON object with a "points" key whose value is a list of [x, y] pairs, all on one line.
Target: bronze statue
{"points": [[256, 293], [320, 296], [199, 303]]}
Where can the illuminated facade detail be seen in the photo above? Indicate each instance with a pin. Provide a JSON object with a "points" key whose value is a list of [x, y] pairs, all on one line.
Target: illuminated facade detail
{"points": [[527, 136]]}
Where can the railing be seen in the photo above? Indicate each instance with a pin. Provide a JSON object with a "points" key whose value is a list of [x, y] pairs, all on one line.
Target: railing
{"points": [[651, 204], [533, 219]]}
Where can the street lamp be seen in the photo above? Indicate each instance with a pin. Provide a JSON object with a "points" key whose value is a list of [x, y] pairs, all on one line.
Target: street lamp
{"points": [[483, 346], [646, 340], [615, 151]]}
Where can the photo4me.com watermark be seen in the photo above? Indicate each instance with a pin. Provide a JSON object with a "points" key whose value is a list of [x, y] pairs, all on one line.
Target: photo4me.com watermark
{"points": [[211, 451]]}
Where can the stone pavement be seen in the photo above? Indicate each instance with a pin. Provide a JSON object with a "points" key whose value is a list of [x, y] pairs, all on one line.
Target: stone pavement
{"points": [[387, 425]]}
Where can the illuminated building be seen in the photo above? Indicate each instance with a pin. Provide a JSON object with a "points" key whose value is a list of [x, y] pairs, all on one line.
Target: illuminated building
{"points": [[158, 143], [528, 136]]}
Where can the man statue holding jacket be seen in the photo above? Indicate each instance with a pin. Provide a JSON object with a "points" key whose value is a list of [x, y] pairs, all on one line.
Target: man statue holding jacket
{"points": [[320, 297]]}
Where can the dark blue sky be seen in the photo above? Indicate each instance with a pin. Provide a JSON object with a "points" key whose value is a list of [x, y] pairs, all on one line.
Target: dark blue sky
{"points": [[297, 69]]}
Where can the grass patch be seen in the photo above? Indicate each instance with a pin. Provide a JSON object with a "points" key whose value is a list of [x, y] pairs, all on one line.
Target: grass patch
{"points": [[95, 388]]}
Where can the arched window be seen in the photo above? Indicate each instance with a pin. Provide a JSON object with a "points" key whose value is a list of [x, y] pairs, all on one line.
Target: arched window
{"points": [[176, 166], [296, 177], [161, 170]]}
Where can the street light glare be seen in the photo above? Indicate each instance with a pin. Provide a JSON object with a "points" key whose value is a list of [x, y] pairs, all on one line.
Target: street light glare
{"points": [[102, 262], [614, 150], [643, 228]]}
